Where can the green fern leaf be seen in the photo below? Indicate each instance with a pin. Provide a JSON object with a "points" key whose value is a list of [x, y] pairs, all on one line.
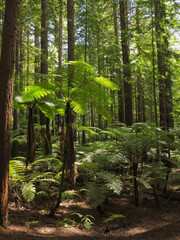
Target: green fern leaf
{"points": [[28, 191], [144, 183], [111, 182], [106, 83], [113, 217]]}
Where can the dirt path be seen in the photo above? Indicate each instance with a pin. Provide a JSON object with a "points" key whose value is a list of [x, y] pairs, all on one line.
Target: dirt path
{"points": [[144, 223]]}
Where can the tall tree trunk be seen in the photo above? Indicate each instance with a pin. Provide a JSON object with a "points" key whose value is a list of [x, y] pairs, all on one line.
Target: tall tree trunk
{"points": [[69, 115], [36, 65], [164, 77], [6, 94], [121, 113], [140, 90], [85, 60], [44, 47], [60, 118], [161, 62], [58, 42], [15, 144], [165, 95], [126, 63], [27, 69], [153, 70], [44, 70]]}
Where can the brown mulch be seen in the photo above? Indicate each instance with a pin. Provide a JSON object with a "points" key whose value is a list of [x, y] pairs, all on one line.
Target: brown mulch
{"points": [[143, 223]]}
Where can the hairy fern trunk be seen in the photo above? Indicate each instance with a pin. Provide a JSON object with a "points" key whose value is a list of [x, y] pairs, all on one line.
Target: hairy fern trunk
{"points": [[31, 140]]}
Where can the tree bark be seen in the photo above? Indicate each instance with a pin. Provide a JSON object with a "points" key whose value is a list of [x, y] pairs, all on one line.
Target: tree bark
{"points": [[121, 114], [85, 60], [161, 63], [6, 94], [69, 115], [36, 65], [140, 89], [15, 143], [44, 47], [44, 70], [126, 63], [31, 139]]}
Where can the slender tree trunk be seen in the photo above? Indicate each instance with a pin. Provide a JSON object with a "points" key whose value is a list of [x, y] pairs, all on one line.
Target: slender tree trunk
{"points": [[31, 139], [60, 34], [161, 62], [126, 63], [15, 144], [60, 54], [69, 115], [121, 113], [165, 95], [27, 70], [44, 70], [85, 60], [153, 71], [44, 47], [6, 94], [140, 90], [36, 67]]}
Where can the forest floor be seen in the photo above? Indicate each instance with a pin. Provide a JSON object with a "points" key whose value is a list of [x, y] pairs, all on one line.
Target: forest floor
{"points": [[141, 223]]}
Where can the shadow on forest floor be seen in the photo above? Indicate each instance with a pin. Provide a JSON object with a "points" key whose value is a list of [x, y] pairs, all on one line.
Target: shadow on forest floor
{"points": [[142, 223]]}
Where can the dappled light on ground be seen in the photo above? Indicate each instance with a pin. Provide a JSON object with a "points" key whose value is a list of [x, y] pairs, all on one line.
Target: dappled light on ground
{"points": [[144, 222]]}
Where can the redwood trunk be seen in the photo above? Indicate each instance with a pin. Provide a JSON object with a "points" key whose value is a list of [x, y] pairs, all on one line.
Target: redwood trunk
{"points": [[69, 117], [6, 94], [126, 63], [44, 69]]}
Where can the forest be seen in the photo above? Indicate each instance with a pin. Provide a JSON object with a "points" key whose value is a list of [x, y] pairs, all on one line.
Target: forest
{"points": [[89, 119]]}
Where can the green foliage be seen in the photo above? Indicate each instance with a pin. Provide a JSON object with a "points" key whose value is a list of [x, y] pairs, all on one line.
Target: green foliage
{"points": [[87, 169], [34, 182], [96, 193], [47, 163], [28, 224], [105, 184], [86, 220], [111, 182], [79, 94], [28, 191], [17, 171], [69, 194], [106, 83], [113, 217]]}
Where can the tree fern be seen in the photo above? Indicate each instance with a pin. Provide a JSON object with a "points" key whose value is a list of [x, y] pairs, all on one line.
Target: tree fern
{"points": [[79, 94]]}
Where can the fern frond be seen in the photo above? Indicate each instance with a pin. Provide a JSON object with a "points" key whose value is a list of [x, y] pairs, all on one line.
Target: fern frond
{"points": [[96, 194], [69, 194], [17, 170], [113, 217], [106, 83], [89, 130], [111, 182], [28, 191]]}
